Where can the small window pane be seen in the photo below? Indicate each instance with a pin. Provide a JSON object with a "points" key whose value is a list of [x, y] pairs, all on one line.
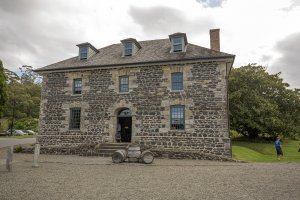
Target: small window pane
{"points": [[128, 49], [178, 47], [124, 84], [177, 117], [177, 81], [77, 86], [177, 40], [177, 44], [75, 118], [83, 53], [125, 113]]}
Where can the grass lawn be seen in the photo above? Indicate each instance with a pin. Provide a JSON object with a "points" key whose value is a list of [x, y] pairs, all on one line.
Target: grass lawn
{"points": [[265, 152]]}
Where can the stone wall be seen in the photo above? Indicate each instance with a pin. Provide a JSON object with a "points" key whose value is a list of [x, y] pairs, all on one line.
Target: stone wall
{"points": [[204, 96], [90, 150]]}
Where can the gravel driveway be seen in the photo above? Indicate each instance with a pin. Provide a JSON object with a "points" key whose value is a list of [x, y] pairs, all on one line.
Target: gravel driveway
{"points": [[4, 142], [75, 177]]}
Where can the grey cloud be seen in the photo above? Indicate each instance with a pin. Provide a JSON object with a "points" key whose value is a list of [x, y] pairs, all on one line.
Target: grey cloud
{"points": [[34, 32], [265, 58], [161, 20], [289, 63], [211, 3], [294, 4], [19, 6]]}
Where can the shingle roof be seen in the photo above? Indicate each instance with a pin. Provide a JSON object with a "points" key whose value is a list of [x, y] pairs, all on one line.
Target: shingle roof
{"points": [[152, 51]]}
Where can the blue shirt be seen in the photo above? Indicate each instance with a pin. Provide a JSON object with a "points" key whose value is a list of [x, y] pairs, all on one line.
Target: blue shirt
{"points": [[277, 144]]}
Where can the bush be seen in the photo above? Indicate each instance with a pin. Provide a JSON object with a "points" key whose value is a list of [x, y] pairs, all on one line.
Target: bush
{"points": [[18, 149], [234, 134], [4, 124], [27, 124]]}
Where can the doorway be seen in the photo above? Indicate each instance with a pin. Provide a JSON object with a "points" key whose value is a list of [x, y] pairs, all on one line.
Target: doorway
{"points": [[124, 126]]}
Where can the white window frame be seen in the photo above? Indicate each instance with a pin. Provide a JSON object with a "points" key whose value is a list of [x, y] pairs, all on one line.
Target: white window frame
{"points": [[175, 84], [128, 48], [83, 51], [177, 43], [121, 89], [77, 87], [177, 116]]}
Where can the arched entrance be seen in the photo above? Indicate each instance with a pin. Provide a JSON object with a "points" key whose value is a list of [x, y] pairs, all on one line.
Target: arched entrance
{"points": [[124, 125]]}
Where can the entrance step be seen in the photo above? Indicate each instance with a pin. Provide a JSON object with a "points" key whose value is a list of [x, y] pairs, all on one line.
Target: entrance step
{"points": [[107, 149]]}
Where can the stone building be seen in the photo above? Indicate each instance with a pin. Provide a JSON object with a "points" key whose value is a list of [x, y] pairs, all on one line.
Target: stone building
{"points": [[167, 94]]}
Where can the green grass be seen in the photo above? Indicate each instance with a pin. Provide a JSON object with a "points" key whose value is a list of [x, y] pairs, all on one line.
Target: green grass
{"points": [[265, 152], [19, 137]]}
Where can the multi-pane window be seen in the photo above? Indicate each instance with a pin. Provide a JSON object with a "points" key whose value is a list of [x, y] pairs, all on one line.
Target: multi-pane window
{"points": [[77, 86], [177, 44], [128, 48], [75, 118], [177, 81], [83, 53], [177, 117], [124, 84]]}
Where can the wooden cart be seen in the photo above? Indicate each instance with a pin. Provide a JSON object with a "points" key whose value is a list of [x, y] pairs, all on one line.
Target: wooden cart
{"points": [[133, 154]]}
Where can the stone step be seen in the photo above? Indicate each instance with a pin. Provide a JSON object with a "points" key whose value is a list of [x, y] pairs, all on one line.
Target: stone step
{"points": [[114, 144], [112, 147]]}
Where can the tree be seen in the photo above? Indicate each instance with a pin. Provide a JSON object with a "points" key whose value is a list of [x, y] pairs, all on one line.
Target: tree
{"points": [[261, 103], [22, 107], [3, 89]]}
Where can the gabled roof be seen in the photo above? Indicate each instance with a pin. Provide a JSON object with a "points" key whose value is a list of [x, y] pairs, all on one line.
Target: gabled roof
{"points": [[179, 34], [132, 40], [152, 51], [87, 44]]}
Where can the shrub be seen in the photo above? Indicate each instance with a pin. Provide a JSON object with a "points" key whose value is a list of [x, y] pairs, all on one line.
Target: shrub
{"points": [[18, 149]]}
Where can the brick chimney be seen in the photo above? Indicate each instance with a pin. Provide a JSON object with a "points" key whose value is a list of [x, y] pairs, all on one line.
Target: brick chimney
{"points": [[215, 39]]}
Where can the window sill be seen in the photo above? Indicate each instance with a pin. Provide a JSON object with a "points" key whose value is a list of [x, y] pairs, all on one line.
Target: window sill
{"points": [[75, 130], [183, 51], [177, 90], [124, 92], [76, 95]]}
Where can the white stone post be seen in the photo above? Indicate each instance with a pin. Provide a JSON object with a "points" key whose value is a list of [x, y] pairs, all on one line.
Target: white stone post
{"points": [[36, 155], [9, 158]]}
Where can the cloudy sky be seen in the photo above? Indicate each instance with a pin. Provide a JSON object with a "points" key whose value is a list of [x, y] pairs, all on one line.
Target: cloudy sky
{"points": [[41, 32]]}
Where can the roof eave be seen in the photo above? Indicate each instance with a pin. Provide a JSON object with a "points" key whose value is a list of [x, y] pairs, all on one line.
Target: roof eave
{"points": [[232, 57]]}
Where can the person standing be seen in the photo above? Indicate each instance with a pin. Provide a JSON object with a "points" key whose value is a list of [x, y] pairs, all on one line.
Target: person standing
{"points": [[278, 148], [118, 134]]}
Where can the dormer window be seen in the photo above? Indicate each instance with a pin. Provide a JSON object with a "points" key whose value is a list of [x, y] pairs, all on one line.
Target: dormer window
{"points": [[128, 49], [178, 42], [83, 53], [86, 50]]}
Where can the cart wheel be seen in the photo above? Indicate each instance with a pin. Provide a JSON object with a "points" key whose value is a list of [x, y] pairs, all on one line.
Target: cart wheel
{"points": [[147, 157], [119, 156]]}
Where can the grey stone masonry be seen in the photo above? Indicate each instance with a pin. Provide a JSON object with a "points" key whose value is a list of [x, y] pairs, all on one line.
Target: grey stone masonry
{"points": [[150, 97]]}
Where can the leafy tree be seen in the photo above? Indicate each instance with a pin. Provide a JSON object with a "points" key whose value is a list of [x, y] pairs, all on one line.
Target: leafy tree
{"points": [[23, 98], [261, 103], [3, 89], [28, 76]]}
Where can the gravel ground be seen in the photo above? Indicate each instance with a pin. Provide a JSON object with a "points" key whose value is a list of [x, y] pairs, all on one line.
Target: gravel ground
{"points": [[4, 142], [75, 177]]}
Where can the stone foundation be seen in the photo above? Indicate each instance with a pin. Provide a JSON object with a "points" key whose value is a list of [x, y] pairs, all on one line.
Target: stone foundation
{"points": [[92, 150]]}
